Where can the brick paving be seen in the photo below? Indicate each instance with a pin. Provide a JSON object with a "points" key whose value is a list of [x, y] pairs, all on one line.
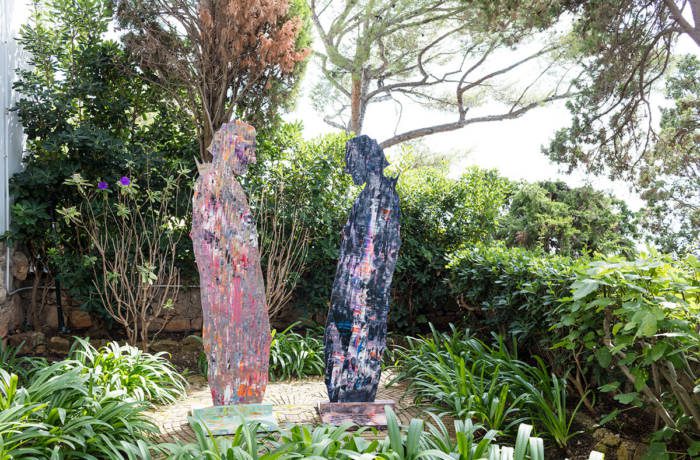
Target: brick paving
{"points": [[294, 402]]}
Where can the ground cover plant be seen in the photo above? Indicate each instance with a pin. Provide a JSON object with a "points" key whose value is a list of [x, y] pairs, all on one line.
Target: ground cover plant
{"points": [[469, 442], [458, 374], [91, 405], [293, 355]]}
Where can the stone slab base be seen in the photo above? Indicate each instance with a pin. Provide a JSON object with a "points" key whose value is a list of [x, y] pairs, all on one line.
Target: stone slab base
{"points": [[357, 413], [220, 420]]}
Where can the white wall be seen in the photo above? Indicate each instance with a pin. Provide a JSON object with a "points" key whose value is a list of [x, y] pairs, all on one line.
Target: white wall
{"points": [[12, 14]]}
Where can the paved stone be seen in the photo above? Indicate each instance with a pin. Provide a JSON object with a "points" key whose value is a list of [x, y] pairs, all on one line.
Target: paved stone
{"points": [[294, 402]]}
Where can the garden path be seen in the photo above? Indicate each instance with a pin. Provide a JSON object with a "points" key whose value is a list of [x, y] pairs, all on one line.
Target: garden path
{"points": [[294, 402]]}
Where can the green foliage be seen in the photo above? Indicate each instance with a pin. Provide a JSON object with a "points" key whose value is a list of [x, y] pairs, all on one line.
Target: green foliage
{"points": [[293, 355], [627, 327], [85, 110], [626, 50], [472, 442], [438, 214], [11, 362], [133, 233], [638, 321], [310, 175], [461, 375], [669, 178], [62, 415], [123, 368], [90, 405], [555, 218], [510, 290]]}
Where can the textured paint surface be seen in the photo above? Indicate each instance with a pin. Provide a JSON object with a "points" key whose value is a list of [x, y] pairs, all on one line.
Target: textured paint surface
{"points": [[236, 330], [355, 336], [357, 413], [221, 420]]}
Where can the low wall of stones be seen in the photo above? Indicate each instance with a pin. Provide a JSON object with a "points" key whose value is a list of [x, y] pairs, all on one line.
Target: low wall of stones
{"points": [[186, 315]]}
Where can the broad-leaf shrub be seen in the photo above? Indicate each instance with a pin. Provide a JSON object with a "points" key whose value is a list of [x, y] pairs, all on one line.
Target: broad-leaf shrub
{"points": [[634, 326], [510, 290], [628, 328], [85, 108], [438, 213]]}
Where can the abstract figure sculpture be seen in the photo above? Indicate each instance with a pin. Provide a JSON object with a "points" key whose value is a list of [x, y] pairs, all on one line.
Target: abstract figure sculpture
{"points": [[236, 332], [355, 336]]}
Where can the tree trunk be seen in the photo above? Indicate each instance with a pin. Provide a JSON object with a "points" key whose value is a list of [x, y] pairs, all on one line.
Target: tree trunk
{"points": [[34, 313], [356, 105], [205, 139]]}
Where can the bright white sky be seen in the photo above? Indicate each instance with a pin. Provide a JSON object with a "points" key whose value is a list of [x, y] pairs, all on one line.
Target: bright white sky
{"points": [[513, 147]]}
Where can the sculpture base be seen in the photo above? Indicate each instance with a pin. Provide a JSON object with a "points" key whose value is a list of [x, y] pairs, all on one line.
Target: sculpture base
{"points": [[357, 413], [221, 420]]}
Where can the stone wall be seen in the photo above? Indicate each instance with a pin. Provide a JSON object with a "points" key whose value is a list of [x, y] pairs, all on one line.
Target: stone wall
{"points": [[10, 309], [185, 317]]}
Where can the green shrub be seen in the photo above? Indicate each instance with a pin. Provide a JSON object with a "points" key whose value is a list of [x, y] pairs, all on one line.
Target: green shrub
{"points": [[632, 327], [123, 368], [558, 219], [438, 213], [458, 374], [293, 355], [90, 405], [62, 415], [85, 108], [11, 362], [510, 290], [472, 442], [628, 328]]}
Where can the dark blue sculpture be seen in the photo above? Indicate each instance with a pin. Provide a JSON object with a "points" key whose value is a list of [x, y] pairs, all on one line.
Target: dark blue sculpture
{"points": [[355, 336]]}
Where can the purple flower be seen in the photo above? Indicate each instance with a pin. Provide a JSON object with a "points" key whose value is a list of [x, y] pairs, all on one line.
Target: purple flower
{"points": [[102, 185], [125, 181]]}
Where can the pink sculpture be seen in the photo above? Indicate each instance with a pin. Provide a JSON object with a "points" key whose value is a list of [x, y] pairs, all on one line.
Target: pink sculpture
{"points": [[236, 332]]}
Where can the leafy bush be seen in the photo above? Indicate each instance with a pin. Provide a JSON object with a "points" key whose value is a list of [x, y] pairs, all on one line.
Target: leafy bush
{"points": [[438, 213], [11, 362], [555, 218], [85, 108], [133, 234], [510, 290], [472, 442], [293, 355], [90, 405], [62, 415], [458, 374], [626, 327], [632, 327], [123, 368]]}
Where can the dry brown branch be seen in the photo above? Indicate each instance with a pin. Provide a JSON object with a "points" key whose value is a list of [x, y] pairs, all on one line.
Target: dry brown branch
{"points": [[135, 239], [283, 247]]}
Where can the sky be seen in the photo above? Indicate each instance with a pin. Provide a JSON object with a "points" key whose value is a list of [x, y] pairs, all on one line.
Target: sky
{"points": [[513, 147]]}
